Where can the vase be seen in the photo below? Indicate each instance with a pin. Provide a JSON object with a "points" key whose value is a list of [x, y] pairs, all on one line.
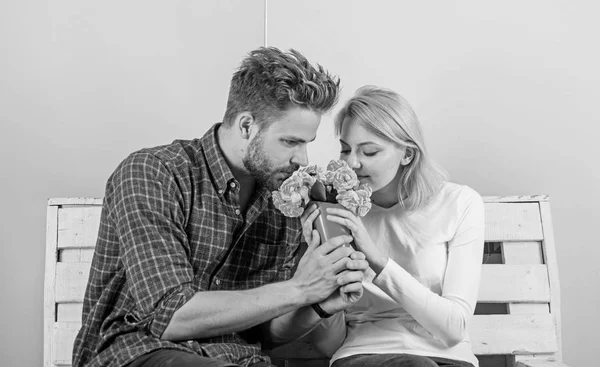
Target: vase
{"points": [[326, 228]]}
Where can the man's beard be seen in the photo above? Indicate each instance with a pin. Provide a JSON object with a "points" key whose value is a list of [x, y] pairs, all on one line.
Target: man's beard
{"points": [[261, 168]]}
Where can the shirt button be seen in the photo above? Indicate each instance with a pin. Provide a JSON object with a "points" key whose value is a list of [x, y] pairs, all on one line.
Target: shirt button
{"points": [[237, 212], [232, 185], [220, 192], [217, 281]]}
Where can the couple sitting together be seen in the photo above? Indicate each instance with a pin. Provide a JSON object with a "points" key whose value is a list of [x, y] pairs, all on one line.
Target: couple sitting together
{"points": [[195, 266]]}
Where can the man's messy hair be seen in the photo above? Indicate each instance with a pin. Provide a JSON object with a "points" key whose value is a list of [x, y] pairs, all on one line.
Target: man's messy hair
{"points": [[270, 81]]}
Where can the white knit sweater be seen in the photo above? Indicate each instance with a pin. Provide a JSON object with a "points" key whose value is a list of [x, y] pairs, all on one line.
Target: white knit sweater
{"points": [[422, 301]]}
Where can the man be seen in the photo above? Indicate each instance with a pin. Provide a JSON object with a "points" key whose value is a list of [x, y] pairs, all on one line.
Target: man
{"points": [[193, 263]]}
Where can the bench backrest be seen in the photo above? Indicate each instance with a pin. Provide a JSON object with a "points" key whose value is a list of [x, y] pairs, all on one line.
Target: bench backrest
{"points": [[517, 316]]}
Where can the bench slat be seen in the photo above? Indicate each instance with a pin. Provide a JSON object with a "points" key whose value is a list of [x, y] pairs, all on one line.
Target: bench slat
{"points": [[71, 280], [490, 335], [69, 312], [75, 255], [78, 226], [514, 283], [499, 283], [513, 222], [513, 334], [64, 337]]}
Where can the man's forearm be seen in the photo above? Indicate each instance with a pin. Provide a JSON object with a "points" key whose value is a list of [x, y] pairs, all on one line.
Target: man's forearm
{"points": [[213, 313], [292, 325]]}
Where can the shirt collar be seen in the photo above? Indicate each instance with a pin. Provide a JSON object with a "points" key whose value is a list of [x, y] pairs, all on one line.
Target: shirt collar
{"points": [[217, 165]]}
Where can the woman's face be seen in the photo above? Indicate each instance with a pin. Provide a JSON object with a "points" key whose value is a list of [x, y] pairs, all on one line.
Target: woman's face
{"points": [[376, 161]]}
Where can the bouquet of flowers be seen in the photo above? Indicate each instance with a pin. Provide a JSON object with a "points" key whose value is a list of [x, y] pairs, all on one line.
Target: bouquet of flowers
{"points": [[337, 184]]}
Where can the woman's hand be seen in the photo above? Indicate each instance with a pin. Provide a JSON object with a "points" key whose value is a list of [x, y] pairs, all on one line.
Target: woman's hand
{"points": [[307, 219], [362, 239]]}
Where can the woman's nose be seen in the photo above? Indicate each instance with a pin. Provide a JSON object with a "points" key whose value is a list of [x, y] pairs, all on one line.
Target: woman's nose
{"points": [[353, 162]]}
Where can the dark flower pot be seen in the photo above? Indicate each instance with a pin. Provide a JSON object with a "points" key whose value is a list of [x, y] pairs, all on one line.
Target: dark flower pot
{"points": [[325, 227]]}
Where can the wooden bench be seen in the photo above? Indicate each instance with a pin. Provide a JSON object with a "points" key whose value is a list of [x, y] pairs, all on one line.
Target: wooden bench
{"points": [[516, 322]]}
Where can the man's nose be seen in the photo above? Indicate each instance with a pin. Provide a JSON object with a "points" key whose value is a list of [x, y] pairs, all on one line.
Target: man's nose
{"points": [[301, 157]]}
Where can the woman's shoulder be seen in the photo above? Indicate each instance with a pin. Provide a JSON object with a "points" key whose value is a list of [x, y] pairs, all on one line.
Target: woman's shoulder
{"points": [[459, 194]]}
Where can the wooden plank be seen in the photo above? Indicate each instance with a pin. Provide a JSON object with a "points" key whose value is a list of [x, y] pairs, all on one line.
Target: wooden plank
{"points": [[75, 255], [549, 253], [512, 222], [514, 283], [513, 334], [540, 363], [522, 253], [63, 339], [515, 199], [71, 280], [528, 308], [69, 312], [75, 201], [490, 335], [49, 281], [487, 199], [78, 226]]}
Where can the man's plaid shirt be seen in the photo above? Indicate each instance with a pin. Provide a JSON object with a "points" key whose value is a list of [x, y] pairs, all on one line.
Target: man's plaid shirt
{"points": [[171, 227]]}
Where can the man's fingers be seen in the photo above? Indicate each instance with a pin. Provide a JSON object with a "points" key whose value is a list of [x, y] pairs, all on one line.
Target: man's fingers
{"points": [[348, 277], [352, 288], [357, 255], [339, 257], [360, 265]]}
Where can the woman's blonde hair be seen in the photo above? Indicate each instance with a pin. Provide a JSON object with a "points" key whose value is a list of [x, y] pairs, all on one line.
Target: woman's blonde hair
{"points": [[386, 114]]}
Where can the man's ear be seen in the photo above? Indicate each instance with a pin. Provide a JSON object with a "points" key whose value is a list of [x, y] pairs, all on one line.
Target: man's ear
{"points": [[245, 122], [409, 155]]}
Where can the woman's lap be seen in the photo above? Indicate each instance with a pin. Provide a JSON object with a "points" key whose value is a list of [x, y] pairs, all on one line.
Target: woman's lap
{"points": [[397, 360]]}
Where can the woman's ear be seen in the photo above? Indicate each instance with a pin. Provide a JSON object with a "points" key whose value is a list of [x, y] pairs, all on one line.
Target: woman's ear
{"points": [[409, 155]]}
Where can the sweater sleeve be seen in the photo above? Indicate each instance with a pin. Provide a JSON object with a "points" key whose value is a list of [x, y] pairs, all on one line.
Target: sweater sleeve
{"points": [[446, 317]]}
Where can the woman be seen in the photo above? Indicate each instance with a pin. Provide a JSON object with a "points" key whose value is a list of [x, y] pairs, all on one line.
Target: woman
{"points": [[423, 239]]}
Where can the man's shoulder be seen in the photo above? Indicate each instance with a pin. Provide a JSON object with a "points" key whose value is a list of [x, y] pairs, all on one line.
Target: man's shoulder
{"points": [[179, 158], [177, 153], [176, 156]]}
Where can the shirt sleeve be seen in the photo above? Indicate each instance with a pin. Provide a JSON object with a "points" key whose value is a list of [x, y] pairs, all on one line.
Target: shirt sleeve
{"points": [[446, 317], [146, 208], [330, 334]]}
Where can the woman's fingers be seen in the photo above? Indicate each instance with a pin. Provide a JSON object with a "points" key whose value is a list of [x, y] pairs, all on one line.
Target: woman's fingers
{"points": [[307, 222], [309, 212], [316, 239], [348, 223], [341, 212]]}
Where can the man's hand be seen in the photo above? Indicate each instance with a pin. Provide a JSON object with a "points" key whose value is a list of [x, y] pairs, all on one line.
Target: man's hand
{"points": [[321, 269], [351, 288]]}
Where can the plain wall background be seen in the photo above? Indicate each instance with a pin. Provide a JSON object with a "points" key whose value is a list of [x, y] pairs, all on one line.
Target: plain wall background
{"points": [[83, 84], [506, 93]]}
